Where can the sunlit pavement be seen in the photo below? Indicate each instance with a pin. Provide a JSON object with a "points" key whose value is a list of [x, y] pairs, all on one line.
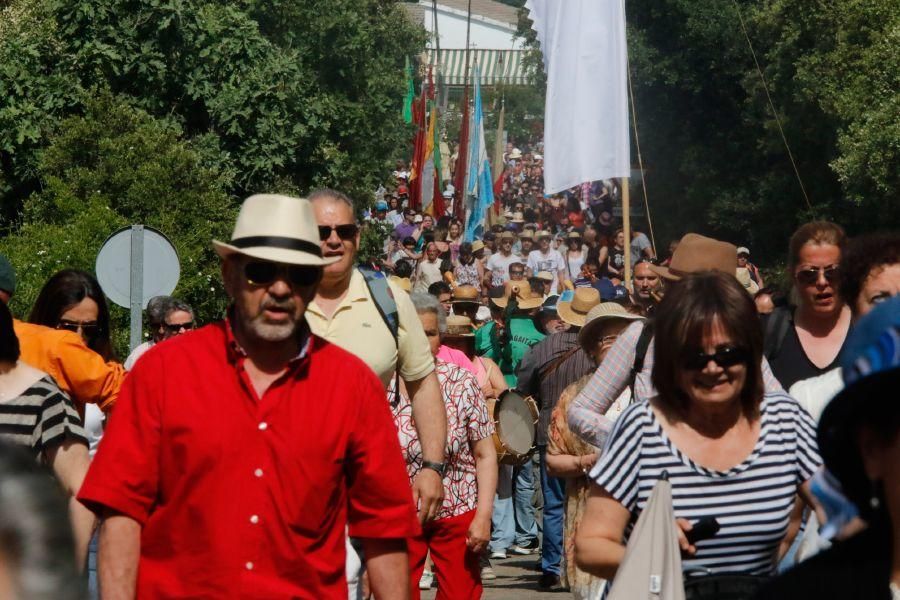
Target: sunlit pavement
{"points": [[516, 580]]}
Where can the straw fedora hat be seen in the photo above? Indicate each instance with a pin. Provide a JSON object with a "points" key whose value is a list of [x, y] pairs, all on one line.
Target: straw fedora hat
{"points": [[515, 153], [527, 233], [544, 276], [699, 253], [477, 245], [596, 317], [521, 290], [465, 294], [743, 277], [459, 325], [517, 218], [574, 305], [542, 234], [276, 228]]}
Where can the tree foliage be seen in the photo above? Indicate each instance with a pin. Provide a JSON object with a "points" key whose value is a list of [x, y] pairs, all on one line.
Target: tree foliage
{"points": [[114, 166]]}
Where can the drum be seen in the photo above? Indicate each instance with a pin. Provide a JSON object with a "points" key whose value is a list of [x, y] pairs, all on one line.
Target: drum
{"points": [[515, 420]]}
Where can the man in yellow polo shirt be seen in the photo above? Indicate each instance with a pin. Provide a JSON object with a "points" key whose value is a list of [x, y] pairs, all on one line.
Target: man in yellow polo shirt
{"points": [[345, 314]]}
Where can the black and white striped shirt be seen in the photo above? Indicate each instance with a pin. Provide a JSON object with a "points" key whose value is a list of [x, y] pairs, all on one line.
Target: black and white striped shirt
{"points": [[751, 501], [40, 418]]}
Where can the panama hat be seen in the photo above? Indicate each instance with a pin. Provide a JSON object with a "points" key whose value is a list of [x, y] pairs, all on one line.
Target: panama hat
{"points": [[574, 305], [527, 233], [278, 229], [544, 276], [515, 153], [517, 218], [459, 325], [507, 235], [595, 318], [697, 253], [542, 234], [743, 277], [465, 294], [521, 290], [477, 245]]}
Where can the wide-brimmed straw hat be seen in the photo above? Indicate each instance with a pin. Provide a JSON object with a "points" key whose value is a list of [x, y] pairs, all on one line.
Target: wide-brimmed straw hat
{"points": [[517, 218], [543, 233], [527, 233], [477, 245], [574, 305], [597, 316], [697, 253], [276, 228], [515, 153], [544, 276], [521, 290], [459, 325], [465, 294]]}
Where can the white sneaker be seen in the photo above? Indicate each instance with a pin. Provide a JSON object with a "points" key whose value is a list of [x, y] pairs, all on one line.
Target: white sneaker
{"points": [[426, 580], [487, 574], [500, 554]]}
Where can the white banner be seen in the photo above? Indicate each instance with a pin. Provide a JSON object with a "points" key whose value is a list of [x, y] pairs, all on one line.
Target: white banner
{"points": [[586, 116]]}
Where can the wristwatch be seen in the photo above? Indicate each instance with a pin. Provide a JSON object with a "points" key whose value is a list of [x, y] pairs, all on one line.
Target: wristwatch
{"points": [[435, 466]]}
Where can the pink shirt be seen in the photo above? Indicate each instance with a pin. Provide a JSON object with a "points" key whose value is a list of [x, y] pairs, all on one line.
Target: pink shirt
{"points": [[456, 357]]}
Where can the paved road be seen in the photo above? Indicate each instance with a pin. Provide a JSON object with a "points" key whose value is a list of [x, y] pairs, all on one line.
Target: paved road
{"points": [[516, 580]]}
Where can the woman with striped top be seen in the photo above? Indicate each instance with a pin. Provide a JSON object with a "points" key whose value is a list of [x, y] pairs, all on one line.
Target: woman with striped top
{"points": [[730, 450]]}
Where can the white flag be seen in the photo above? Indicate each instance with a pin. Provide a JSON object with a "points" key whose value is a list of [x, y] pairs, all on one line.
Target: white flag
{"points": [[586, 116]]}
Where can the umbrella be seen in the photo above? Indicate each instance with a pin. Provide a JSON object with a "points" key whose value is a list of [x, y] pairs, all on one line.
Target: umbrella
{"points": [[651, 567]]}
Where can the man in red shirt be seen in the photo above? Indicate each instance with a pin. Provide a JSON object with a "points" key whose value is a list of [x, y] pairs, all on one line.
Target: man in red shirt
{"points": [[240, 453]]}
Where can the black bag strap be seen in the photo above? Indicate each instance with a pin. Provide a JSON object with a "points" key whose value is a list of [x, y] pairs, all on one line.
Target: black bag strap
{"points": [[777, 326], [640, 354]]}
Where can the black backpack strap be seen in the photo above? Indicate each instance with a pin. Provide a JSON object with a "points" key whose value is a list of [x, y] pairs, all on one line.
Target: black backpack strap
{"points": [[777, 326], [640, 354]]}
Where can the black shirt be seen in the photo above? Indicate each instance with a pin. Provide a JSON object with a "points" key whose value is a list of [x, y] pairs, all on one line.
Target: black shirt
{"points": [[857, 568], [790, 363]]}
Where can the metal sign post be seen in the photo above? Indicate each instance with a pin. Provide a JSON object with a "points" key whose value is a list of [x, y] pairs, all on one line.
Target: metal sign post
{"points": [[136, 287]]}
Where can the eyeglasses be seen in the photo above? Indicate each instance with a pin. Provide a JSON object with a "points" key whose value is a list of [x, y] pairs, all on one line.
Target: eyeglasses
{"points": [[265, 273], [346, 231], [726, 356], [177, 327], [811, 276], [89, 329]]}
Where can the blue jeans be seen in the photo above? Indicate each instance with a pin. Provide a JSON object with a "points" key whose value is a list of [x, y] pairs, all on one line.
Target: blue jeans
{"points": [[554, 492], [93, 587], [513, 518]]}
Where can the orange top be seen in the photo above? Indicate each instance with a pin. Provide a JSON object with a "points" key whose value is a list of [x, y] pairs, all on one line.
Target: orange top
{"points": [[78, 370]]}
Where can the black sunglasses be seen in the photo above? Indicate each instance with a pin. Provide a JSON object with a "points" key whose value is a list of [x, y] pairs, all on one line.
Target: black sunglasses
{"points": [[726, 356], [265, 273], [346, 231], [90, 329], [811, 276], [177, 327]]}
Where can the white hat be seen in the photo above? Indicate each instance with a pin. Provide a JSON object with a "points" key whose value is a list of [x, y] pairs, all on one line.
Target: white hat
{"points": [[743, 250], [417, 219], [276, 228], [516, 153]]}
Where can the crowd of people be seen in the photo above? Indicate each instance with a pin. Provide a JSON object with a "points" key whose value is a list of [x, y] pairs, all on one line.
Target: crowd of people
{"points": [[348, 431]]}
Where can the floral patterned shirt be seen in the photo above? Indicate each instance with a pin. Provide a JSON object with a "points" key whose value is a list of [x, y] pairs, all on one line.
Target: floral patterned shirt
{"points": [[467, 422]]}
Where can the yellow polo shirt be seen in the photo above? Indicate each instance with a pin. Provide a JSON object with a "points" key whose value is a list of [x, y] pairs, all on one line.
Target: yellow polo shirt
{"points": [[357, 326]]}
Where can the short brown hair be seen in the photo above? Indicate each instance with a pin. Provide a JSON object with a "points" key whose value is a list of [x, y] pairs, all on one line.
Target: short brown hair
{"points": [[818, 233], [686, 314]]}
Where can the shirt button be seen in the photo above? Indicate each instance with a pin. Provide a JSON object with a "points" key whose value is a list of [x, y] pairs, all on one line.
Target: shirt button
{"points": [[249, 566], [258, 472], [254, 519], [263, 426]]}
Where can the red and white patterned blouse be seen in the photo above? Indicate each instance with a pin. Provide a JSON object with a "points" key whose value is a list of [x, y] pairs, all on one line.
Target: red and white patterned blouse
{"points": [[467, 422]]}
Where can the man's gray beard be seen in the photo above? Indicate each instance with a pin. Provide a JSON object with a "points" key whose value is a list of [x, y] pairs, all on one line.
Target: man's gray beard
{"points": [[271, 332]]}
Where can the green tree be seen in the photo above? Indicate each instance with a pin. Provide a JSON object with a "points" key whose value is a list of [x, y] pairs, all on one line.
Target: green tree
{"points": [[114, 166]]}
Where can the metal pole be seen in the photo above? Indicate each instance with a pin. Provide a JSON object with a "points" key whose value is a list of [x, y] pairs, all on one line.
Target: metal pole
{"points": [[626, 227], [136, 287]]}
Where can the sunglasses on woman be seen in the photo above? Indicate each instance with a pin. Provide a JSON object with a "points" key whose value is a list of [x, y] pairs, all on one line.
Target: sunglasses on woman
{"points": [[265, 273], [345, 232], [810, 276], [89, 329], [726, 356]]}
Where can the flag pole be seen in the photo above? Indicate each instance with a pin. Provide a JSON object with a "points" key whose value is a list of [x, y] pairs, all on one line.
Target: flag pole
{"points": [[626, 228]]}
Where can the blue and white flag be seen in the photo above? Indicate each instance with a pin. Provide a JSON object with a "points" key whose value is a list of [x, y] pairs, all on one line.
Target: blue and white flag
{"points": [[479, 184]]}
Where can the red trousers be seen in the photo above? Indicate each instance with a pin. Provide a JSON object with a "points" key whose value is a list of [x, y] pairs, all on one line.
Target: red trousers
{"points": [[457, 569]]}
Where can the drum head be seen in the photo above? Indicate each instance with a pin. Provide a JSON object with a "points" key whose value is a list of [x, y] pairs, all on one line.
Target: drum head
{"points": [[516, 422]]}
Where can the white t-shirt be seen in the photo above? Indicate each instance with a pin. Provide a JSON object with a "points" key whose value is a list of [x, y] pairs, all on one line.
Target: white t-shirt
{"points": [[498, 265], [137, 353], [815, 393], [427, 273], [552, 262]]}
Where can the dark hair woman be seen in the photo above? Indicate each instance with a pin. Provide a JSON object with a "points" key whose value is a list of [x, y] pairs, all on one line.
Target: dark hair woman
{"points": [[731, 450], [806, 342], [73, 300]]}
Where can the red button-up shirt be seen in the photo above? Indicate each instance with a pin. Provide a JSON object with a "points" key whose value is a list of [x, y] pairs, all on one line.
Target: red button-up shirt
{"points": [[248, 497]]}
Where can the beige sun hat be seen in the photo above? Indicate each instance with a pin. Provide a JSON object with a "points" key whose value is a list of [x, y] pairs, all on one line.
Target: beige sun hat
{"points": [[515, 153], [573, 306], [697, 253], [477, 245], [276, 228], [517, 218], [459, 325], [525, 298], [743, 277], [526, 233], [596, 317], [465, 294], [544, 276]]}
